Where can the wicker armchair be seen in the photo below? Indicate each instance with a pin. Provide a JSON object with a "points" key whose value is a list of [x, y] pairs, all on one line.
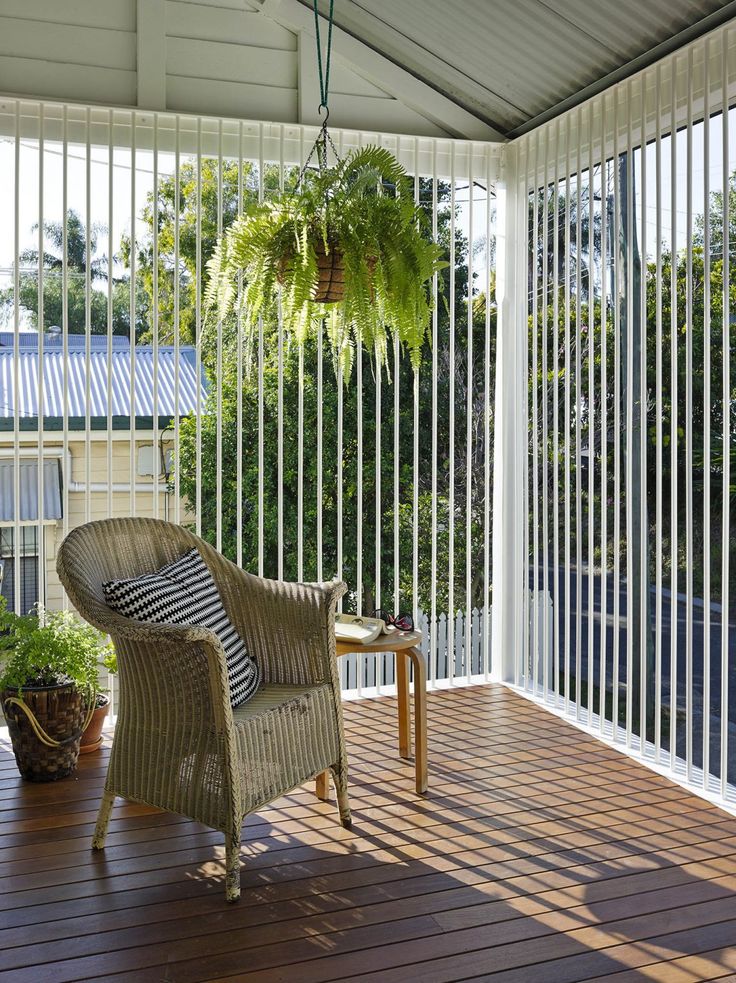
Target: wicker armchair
{"points": [[178, 744]]}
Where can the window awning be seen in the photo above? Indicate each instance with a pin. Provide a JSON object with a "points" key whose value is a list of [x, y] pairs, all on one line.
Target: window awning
{"points": [[28, 475]]}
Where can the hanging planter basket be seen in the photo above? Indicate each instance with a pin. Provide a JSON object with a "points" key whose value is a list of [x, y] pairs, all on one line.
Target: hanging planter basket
{"points": [[45, 725], [373, 280], [330, 287]]}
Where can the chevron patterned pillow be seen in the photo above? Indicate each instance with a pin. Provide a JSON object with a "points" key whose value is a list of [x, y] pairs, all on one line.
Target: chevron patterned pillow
{"points": [[184, 593]]}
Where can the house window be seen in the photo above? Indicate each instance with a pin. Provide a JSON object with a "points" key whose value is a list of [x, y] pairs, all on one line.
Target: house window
{"points": [[27, 556], [29, 490]]}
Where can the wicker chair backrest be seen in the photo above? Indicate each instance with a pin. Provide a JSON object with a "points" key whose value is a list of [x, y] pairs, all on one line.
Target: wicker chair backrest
{"points": [[111, 549]]}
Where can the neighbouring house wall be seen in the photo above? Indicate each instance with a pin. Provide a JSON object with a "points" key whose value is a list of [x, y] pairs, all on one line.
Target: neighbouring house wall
{"points": [[78, 509]]}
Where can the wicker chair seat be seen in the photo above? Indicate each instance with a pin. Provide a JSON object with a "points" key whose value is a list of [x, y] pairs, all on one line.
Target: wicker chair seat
{"points": [[269, 726]]}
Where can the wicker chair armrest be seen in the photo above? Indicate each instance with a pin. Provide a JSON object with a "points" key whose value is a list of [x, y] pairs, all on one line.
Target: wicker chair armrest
{"points": [[174, 717], [161, 639], [146, 631], [151, 634], [289, 628], [181, 670]]}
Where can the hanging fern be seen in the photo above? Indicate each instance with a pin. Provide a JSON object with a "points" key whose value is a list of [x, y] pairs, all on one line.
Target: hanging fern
{"points": [[361, 210]]}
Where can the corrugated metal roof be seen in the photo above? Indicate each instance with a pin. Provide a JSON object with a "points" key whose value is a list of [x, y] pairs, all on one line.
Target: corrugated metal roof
{"points": [[75, 342], [120, 387], [512, 61]]}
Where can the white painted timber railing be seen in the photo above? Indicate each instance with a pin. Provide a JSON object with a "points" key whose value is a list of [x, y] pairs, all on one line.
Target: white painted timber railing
{"points": [[456, 657]]}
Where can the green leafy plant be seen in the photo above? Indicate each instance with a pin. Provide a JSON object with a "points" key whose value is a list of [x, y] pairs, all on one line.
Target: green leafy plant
{"points": [[109, 661], [49, 648], [359, 215]]}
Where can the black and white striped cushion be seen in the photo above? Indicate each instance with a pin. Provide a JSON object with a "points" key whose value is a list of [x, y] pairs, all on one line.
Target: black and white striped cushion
{"points": [[184, 593]]}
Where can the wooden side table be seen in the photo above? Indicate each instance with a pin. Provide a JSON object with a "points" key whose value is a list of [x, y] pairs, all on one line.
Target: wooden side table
{"points": [[405, 644]]}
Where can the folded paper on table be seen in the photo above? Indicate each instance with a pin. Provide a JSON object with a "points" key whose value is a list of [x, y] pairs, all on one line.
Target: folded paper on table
{"points": [[361, 631]]}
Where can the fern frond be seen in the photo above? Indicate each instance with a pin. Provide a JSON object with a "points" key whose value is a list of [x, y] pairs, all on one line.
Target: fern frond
{"points": [[364, 208]]}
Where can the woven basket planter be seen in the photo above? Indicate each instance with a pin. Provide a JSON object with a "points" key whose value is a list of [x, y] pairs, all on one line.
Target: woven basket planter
{"points": [[331, 275], [60, 713]]}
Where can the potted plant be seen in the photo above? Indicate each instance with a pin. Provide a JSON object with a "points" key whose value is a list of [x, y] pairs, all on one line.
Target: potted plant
{"points": [[92, 737], [348, 245], [48, 685]]}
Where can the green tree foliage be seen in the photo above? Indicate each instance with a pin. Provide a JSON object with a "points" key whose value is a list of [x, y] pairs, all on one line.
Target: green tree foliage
{"points": [[665, 411], [216, 195], [76, 294], [234, 386]]}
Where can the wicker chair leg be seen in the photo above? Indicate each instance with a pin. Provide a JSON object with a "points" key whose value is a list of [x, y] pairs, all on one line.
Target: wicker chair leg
{"points": [[232, 867], [340, 775], [103, 820]]}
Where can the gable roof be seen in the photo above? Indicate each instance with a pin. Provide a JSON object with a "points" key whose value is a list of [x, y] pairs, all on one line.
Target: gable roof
{"points": [[474, 69]]}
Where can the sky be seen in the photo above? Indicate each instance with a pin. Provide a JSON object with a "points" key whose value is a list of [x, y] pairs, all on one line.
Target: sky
{"points": [[28, 198]]}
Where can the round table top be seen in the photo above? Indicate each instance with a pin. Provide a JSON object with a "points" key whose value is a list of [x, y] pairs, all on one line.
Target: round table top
{"points": [[393, 642]]}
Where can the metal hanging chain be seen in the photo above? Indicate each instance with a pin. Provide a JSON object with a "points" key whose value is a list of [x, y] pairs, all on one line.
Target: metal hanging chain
{"points": [[319, 147]]}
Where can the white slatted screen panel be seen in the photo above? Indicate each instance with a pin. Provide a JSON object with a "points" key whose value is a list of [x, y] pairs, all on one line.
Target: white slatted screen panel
{"points": [[628, 612], [109, 217]]}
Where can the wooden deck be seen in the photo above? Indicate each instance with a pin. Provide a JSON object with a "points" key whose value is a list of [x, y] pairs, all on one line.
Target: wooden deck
{"points": [[538, 855]]}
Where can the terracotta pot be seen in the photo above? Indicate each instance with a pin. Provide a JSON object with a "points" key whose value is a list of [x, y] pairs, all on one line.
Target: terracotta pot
{"points": [[92, 736]]}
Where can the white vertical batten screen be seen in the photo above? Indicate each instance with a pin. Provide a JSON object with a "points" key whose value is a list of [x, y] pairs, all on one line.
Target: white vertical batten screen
{"points": [[391, 539], [626, 207]]}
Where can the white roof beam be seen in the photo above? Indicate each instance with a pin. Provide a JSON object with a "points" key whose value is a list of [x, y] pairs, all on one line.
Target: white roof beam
{"points": [[151, 54]]}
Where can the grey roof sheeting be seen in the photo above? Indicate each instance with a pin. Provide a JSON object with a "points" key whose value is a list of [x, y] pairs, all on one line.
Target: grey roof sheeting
{"points": [[514, 63], [120, 390]]}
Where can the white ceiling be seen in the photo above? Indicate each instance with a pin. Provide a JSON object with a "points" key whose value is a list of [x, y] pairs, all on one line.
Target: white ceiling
{"points": [[483, 70]]}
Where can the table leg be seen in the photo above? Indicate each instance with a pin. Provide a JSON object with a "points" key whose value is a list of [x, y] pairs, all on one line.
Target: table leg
{"points": [[402, 693], [420, 717], [323, 786]]}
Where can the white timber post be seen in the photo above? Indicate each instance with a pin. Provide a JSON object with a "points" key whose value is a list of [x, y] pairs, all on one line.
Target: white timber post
{"points": [[508, 478]]}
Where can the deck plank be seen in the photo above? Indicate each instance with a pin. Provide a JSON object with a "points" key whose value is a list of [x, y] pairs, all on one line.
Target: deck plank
{"points": [[538, 854]]}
